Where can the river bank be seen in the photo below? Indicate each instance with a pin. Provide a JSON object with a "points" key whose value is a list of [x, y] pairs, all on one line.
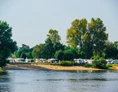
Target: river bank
{"points": [[65, 68], [22, 67], [2, 70], [46, 67], [52, 67]]}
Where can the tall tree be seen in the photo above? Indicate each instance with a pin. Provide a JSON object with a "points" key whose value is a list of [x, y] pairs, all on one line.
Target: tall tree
{"points": [[54, 36], [89, 37], [7, 45], [49, 49], [75, 33], [98, 35]]}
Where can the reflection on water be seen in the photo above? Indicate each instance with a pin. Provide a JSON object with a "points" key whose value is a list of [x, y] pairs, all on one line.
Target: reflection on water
{"points": [[4, 83], [5, 88], [58, 81], [77, 80]]}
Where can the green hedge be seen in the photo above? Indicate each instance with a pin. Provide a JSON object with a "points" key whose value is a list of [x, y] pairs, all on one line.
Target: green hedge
{"points": [[66, 63]]}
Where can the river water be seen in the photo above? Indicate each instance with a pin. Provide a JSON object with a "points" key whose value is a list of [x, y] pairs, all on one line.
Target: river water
{"points": [[59, 81]]}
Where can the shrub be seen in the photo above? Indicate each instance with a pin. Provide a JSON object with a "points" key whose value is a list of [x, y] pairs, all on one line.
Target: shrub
{"points": [[108, 66], [88, 65], [100, 63], [66, 63]]}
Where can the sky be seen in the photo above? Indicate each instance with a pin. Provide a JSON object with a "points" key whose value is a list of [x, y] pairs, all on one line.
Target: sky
{"points": [[32, 19]]}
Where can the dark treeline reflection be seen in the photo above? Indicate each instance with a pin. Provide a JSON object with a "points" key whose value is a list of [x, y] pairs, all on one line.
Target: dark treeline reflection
{"points": [[5, 85]]}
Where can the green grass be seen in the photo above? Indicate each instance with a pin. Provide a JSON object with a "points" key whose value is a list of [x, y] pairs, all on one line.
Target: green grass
{"points": [[66, 63], [114, 64], [88, 65], [2, 71]]}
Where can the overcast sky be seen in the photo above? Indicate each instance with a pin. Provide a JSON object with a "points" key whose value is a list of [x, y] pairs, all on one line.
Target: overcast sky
{"points": [[32, 19]]}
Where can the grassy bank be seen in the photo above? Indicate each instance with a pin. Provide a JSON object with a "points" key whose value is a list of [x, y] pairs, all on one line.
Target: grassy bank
{"points": [[2, 70], [113, 67]]}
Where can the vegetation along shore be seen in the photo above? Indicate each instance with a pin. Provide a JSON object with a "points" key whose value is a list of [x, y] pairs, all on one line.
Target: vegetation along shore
{"points": [[85, 40], [42, 66]]}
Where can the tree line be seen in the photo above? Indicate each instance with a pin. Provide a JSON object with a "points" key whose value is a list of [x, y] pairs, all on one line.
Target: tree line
{"points": [[84, 40]]}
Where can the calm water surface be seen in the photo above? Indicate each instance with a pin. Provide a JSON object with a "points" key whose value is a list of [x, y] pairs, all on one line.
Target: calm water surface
{"points": [[58, 81]]}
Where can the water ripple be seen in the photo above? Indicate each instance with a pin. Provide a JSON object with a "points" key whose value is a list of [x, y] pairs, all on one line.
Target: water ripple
{"points": [[76, 80]]}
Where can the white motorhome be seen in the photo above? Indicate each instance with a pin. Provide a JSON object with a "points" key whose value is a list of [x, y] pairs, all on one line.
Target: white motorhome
{"points": [[81, 61], [42, 60], [114, 62]]}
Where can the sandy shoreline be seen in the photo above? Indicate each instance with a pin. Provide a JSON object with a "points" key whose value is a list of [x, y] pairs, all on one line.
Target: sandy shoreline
{"points": [[22, 67], [46, 67], [65, 68], [51, 67]]}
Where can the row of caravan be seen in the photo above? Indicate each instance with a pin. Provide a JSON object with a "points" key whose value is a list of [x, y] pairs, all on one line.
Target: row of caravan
{"points": [[12, 60], [81, 61], [52, 60], [110, 61], [89, 61]]}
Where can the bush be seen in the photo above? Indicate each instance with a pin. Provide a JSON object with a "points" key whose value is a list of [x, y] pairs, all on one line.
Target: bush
{"points": [[100, 63], [108, 66], [88, 65], [66, 63]]}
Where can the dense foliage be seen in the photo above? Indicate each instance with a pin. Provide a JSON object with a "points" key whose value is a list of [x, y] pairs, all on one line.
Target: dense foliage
{"points": [[84, 40], [100, 63], [7, 45], [49, 48], [24, 52], [111, 50], [88, 37]]}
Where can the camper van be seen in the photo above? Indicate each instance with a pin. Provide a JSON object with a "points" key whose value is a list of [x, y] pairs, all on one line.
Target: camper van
{"points": [[114, 62]]}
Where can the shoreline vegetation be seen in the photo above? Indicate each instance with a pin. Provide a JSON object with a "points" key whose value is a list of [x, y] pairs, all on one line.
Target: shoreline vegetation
{"points": [[2, 70], [82, 43], [42, 66]]}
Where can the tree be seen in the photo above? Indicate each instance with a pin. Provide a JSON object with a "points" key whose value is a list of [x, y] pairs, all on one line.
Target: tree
{"points": [[44, 50], [75, 33], [49, 49], [58, 46], [24, 51], [111, 50], [99, 63], [81, 54], [52, 44], [98, 36], [53, 36], [59, 55], [38, 51], [68, 55], [7, 45], [89, 37]]}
